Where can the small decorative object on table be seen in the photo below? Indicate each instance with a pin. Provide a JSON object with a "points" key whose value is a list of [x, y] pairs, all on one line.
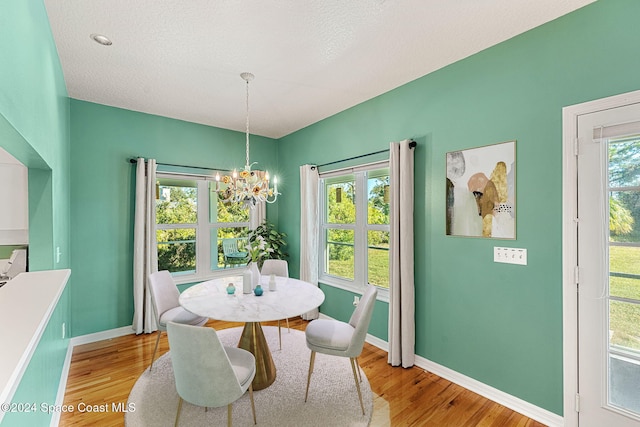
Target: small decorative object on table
{"points": [[272, 282], [258, 290], [231, 289], [247, 281]]}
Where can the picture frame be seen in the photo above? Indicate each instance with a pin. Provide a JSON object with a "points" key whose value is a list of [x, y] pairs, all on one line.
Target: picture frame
{"points": [[481, 191]]}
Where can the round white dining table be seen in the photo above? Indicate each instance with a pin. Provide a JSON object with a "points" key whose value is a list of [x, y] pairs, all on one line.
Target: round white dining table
{"points": [[291, 298]]}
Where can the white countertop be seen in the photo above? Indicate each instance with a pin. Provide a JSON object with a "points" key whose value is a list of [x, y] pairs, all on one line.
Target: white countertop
{"points": [[26, 304], [292, 298]]}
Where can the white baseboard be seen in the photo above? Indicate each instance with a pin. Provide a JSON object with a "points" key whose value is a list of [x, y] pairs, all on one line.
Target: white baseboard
{"points": [[83, 339], [100, 336], [514, 403], [62, 385]]}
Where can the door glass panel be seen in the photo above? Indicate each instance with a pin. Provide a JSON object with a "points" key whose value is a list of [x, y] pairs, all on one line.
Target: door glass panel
{"points": [[624, 275], [624, 216], [624, 272], [624, 326], [624, 162], [624, 356], [623, 383]]}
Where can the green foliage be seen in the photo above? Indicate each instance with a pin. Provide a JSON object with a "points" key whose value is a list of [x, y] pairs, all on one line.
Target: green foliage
{"points": [[274, 242], [179, 205], [177, 248], [376, 201], [620, 219], [624, 206]]}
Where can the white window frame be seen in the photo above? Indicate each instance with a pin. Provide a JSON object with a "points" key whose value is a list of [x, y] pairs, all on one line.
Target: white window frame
{"points": [[361, 228], [204, 269]]}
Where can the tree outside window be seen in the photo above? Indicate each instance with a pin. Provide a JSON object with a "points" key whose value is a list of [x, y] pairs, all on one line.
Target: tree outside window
{"points": [[355, 229]]}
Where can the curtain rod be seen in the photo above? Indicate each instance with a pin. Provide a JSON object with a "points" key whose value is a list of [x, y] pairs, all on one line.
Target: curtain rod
{"points": [[412, 144], [135, 160]]}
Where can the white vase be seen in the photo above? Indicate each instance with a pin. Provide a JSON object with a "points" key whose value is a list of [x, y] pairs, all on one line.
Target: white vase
{"points": [[247, 281], [253, 266], [272, 282]]}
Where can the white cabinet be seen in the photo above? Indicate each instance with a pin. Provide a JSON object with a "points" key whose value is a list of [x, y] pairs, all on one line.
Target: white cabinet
{"points": [[14, 201]]}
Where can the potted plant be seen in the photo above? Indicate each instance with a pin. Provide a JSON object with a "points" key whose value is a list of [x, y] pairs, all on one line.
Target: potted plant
{"points": [[266, 242]]}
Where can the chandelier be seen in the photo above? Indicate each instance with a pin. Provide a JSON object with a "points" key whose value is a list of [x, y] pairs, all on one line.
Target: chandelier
{"points": [[247, 186]]}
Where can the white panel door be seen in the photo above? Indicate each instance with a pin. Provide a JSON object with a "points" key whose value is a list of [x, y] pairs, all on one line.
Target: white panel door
{"points": [[609, 267]]}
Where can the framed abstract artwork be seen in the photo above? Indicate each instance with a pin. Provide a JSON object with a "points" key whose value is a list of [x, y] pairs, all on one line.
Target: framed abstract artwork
{"points": [[481, 192]]}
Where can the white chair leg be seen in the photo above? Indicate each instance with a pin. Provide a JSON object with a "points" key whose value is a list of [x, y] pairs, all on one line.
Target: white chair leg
{"points": [[313, 357], [178, 413], [155, 349], [253, 405], [279, 335], [355, 377]]}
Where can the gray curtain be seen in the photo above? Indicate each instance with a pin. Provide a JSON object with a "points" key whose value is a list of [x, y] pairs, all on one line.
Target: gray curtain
{"points": [[309, 229], [401, 286], [145, 258]]}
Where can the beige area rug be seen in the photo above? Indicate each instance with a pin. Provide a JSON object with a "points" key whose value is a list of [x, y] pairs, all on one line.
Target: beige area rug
{"points": [[333, 399]]}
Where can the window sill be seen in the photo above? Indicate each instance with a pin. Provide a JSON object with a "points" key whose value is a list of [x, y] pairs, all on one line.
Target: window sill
{"points": [[383, 293], [193, 278]]}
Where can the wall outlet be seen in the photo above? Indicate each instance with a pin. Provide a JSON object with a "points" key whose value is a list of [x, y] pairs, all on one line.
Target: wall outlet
{"points": [[356, 300], [64, 329], [510, 255], [58, 254]]}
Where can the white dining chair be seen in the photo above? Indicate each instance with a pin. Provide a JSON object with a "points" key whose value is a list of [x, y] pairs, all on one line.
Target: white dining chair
{"points": [[207, 373], [280, 268], [166, 306], [344, 339]]}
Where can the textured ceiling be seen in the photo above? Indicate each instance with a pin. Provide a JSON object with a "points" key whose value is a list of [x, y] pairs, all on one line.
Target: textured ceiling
{"points": [[311, 58]]}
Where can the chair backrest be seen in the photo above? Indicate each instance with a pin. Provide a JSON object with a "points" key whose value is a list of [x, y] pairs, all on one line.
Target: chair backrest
{"points": [[360, 320], [279, 267], [17, 263], [164, 293], [203, 372], [230, 246]]}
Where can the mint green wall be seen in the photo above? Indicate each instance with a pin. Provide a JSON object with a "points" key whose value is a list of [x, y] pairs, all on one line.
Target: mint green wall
{"points": [[34, 124], [34, 128], [500, 324], [102, 189]]}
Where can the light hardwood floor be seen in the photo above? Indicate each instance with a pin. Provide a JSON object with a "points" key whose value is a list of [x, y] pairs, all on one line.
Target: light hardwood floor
{"points": [[104, 372]]}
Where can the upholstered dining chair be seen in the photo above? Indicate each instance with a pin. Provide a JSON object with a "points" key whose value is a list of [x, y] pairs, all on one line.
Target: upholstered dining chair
{"points": [[279, 267], [338, 338], [166, 307], [207, 373]]}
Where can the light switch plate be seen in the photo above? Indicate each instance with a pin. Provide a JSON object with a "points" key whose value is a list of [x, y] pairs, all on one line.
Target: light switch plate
{"points": [[510, 255]]}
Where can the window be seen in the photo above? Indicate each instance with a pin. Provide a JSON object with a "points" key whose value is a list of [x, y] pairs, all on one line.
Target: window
{"points": [[191, 222], [354, 227]]}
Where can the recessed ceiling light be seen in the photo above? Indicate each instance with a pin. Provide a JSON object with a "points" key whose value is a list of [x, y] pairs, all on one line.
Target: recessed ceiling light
{"points": [[103, 40]]}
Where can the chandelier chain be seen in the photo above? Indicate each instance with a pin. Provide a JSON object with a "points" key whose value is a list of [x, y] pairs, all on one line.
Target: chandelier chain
{"points": [[247, 124]]}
